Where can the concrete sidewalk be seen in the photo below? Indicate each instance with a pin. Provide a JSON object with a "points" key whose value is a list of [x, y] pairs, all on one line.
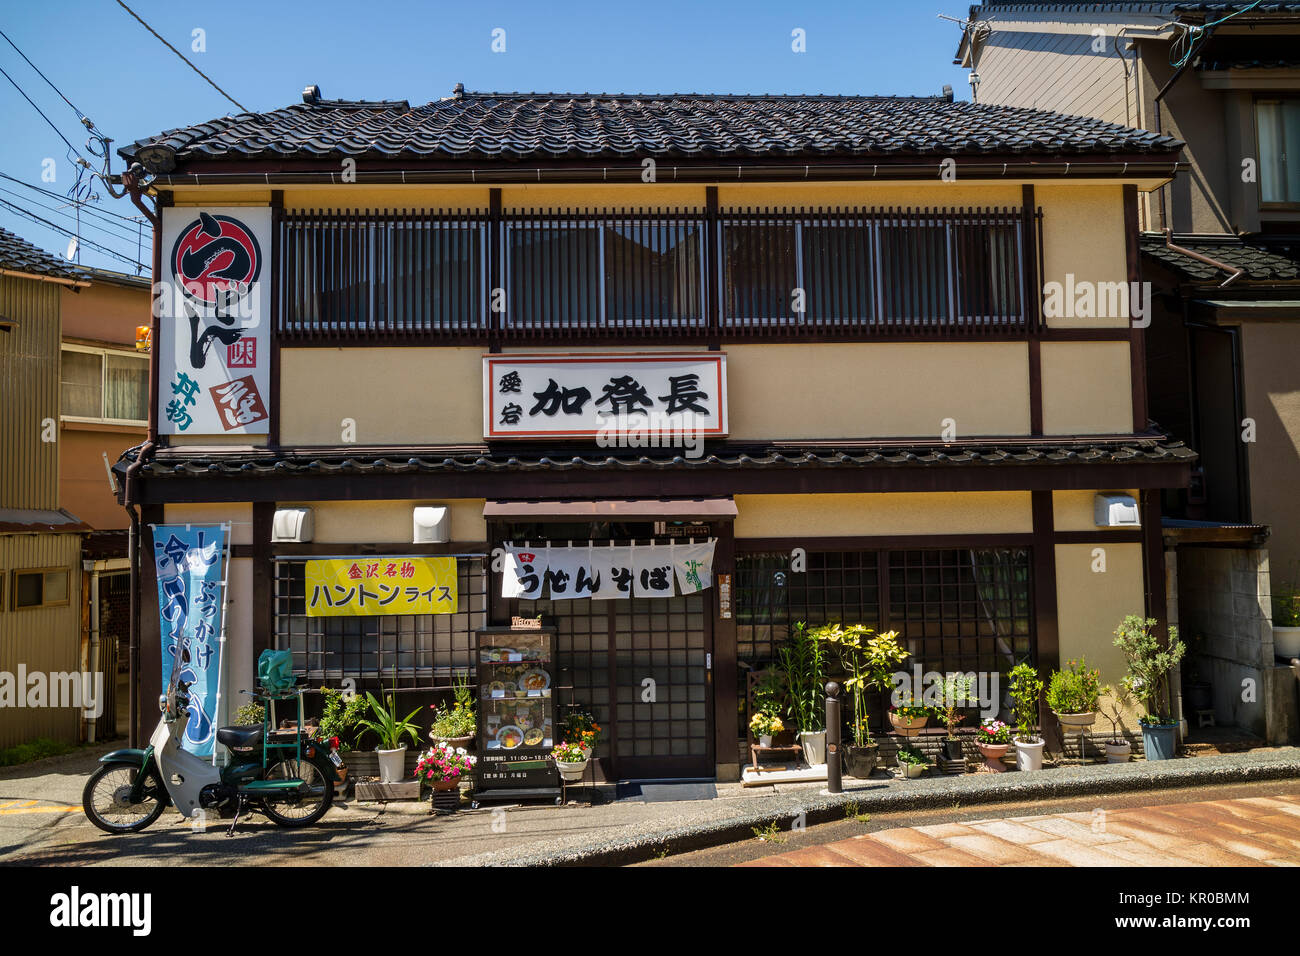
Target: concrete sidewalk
{"points": [[624, 832]]}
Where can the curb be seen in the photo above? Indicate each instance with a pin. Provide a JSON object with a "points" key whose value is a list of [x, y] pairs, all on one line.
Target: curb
{"points": [[639, 844]]}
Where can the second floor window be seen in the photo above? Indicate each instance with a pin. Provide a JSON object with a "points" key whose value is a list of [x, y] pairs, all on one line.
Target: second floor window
{"points": [[1279, 149], [103, 385]]}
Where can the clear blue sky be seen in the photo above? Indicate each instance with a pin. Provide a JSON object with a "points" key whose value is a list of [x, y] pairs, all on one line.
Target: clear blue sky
{"points": [[263, 54]]}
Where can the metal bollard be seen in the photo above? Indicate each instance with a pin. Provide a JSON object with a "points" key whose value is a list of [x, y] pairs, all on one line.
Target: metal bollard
{"points": [[834, 783]]}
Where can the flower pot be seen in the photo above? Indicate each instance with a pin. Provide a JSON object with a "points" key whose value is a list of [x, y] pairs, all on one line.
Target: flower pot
{"points": [[1029, 754], [392, 765], [453, 743], [452, 783], [1118, 751], [814, 747], [1074, 724], [912, 770], [860, 761], [1286, 642], [765, 740], [951, 749], [909, 727], [1158, 741], [571, 770], [993, 754]]}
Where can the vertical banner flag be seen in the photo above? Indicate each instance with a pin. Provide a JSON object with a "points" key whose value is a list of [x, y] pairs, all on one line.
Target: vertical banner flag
{"points": [[213, 309], [694, 565], [190, 595]]}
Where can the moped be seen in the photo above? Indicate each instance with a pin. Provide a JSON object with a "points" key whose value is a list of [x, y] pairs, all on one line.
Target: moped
{"points": [[290, 781]]}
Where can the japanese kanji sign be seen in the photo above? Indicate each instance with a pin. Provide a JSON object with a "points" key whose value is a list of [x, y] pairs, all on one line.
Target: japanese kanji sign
{"points": [[588, 395], [213, 305], [606, 573], [188, 562], [366, 587]]}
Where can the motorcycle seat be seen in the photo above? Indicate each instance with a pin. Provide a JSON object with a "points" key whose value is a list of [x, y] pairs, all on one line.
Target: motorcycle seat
{"points": [[240, 737]]}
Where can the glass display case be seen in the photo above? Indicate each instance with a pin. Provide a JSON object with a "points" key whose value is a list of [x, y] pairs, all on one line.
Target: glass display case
{"points": [[516, 714]]}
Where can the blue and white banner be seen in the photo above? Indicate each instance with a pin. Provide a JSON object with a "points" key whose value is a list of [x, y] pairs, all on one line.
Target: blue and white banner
{"points": [[190, 596]]}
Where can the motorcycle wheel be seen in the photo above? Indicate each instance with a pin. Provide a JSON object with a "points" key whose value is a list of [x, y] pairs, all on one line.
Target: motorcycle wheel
{"points": [[105, 799], [309, 805]]}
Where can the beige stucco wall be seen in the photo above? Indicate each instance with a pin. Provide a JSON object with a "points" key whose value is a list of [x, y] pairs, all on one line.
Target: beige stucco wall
{"points": [[1073, 510], [1083, 235], [239, 514], [387, 522], [1091, 604], [794, 516], [878, 390], [1272, 399], [1087, 388], [395, 395]]}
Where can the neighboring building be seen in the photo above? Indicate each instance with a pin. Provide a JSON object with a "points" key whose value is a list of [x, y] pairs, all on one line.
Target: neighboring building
{"points": [[1225, 323], [894, 402]]}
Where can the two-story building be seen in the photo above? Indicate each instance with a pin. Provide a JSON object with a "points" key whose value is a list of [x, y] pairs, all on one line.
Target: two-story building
{"points": [[1221, 250], [446, 308]]}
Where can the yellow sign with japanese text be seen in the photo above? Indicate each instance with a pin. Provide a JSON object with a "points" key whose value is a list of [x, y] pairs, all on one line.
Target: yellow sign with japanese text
{"points": [[367, 587]]}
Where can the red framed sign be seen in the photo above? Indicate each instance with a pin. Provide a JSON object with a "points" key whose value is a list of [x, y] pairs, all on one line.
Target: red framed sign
{"points": [[604, 394]]}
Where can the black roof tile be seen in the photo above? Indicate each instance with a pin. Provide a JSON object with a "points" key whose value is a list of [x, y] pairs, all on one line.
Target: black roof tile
{"points": [[20, 255], [511, 126], [1265, 260]]}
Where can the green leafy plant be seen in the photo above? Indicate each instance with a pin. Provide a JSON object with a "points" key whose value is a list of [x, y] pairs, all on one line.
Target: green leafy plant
{"points": [[770, 694], [1074, 690], [910, 755], [869, 659], [1286, 606], [954, 694], [803, 659], [458, 720], [1025, 687], [340, 716], [384, 723], [853, 812], [769, 833], [251, 713], [1150, 662], [907, 708]]}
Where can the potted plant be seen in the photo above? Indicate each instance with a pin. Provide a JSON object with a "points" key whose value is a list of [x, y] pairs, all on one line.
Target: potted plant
{"points": [[954, 694], [1150, 662], [571, 760], [338, 723], [443, 768], [803, 659], [1025, 688], [581, 728], [1072, 696], [385, 724], [993, 738], [1286, 622], [869, 659], [763, 725], [911, 762], [454, 727], [908, 717], [1116, 699]]}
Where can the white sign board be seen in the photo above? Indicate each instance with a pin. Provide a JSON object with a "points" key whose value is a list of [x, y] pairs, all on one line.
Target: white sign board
{"points": [[214, 343], [588, 395]]}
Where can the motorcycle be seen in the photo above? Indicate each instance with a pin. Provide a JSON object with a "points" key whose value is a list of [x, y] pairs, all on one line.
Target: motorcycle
{"points": [[290, 782]]}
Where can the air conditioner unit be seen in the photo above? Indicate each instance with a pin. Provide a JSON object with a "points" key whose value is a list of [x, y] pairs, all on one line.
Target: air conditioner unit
{"points": [[431, 525], [291, 524], [1116, 511]]}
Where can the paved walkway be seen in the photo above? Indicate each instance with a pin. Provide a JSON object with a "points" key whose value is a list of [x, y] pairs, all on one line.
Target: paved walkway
{"points": [[1252, 831]]}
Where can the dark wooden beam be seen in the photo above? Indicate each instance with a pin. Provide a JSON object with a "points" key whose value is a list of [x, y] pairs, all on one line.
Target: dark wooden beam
{"points": [[1137, 336], [1047, 640]]}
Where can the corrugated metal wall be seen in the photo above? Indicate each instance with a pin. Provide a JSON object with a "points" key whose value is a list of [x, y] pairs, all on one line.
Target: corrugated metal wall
{"points": [[29, 394], [42, 639]]}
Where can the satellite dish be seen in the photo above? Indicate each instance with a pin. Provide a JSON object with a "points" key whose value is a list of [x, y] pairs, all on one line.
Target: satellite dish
{"points": [[72, 249]]}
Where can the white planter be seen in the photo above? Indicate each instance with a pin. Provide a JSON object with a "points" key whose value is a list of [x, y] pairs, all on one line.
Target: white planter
{"points": [[571, 770], [1118, 752], [392, 765], [1029, 755], [1076, 723], [1286, 642], [814, 747], [912, 770], [765, 740]]}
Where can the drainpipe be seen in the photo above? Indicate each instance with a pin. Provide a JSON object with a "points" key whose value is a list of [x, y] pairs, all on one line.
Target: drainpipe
{"points": [[92, 664], [1236, 273], [131, 180]]}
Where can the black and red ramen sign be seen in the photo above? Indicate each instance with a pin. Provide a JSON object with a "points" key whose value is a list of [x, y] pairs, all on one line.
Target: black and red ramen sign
{"points": [[216, 258]]}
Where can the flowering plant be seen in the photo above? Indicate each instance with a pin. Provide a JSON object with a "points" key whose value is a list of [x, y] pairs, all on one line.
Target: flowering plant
{"points": [[908, 709], [581, 727], [994, 732], [569, 753], [764, 724], [444, 763]]}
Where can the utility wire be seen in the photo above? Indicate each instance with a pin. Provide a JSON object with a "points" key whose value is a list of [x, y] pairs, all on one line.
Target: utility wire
{"points": [[39, 110], [93, 210], [114, 230], [70, 234], [211, 83], [80, 115]]}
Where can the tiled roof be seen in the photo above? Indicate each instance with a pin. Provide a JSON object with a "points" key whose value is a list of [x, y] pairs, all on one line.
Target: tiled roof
{"points": [[1271, 6], [512, 126], [254, 464], [1268, 261], [36, 520], [20, 255]]}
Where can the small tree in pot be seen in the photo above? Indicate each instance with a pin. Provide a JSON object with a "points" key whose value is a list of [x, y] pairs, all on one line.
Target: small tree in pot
{"points": [[803, 659], [1150, 662], [954, 694], [1116, 699], [869, 659], [1072, 695], [1026, 687]]}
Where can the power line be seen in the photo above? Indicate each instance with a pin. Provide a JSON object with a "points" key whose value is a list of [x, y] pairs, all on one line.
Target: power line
{"points": [[211, 83], [111, 230], [39, 110], [93, 210], [70, 234], [80, 115]]}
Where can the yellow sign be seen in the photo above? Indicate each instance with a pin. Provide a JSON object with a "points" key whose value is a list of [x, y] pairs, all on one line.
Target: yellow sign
{"points": [[366, 587]]}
